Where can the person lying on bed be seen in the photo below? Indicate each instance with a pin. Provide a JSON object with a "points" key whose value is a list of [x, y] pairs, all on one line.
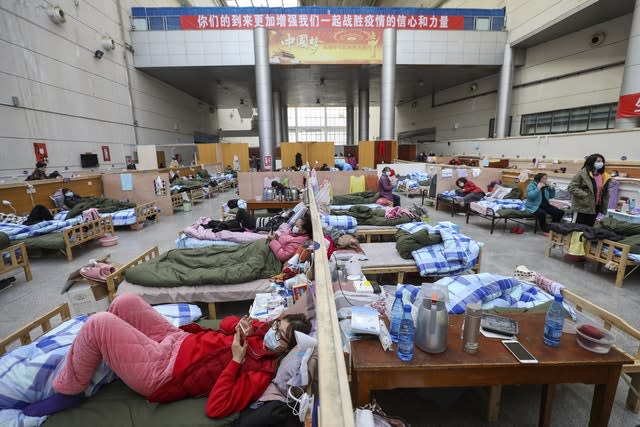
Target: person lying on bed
{"points": [[285, 245], [469, 191], [233, 365]]}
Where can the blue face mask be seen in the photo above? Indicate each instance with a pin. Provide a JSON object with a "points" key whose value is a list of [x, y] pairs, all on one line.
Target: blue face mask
{"points": [[295, 229], [270, 340]]}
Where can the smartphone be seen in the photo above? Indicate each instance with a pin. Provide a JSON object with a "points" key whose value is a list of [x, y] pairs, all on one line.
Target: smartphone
{"points": [[519, 352]]}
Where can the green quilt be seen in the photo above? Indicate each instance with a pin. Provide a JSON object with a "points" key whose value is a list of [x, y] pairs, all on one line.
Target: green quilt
{"points": [[368, 216], [103, 204], [215, 265], [408, 242], [356, 198]]}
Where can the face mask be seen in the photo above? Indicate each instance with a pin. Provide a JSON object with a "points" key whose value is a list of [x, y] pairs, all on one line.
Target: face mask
{"points": [[295, 229], [270, 340], [598, 165], [388, 173], [299, 405]]}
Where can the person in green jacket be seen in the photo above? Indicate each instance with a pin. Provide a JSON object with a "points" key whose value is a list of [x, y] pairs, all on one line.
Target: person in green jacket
{"points": [[589, 190], [537, 203]]}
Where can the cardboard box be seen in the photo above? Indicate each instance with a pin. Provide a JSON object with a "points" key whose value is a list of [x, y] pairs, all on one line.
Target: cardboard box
{"points": [[87, 297]]}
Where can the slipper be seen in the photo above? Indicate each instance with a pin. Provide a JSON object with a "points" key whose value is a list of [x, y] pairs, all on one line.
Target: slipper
{"points": [[98, 272], [514, 230], [520, 230]]}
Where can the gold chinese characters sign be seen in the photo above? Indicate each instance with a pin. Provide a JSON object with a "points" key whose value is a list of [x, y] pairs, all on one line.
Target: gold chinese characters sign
{"points": [[325, 46]]}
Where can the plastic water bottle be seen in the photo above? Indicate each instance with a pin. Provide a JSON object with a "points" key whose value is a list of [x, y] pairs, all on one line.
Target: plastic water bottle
{"points": [[553, 322], [396, 316], [632, 205], [405, 335]]}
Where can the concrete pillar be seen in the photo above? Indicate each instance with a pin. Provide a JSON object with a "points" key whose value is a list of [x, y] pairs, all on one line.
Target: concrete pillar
{"points": [[284, 119], [630, 89], [263, 94], [504, 93], [388, 85], [350, 124], [277, 118], [363, 115]]}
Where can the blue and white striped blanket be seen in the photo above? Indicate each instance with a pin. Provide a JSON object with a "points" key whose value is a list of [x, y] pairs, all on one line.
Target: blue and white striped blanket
{"points": [[496, 204], [492, 291], [450, 194], [456, 254], [17, 231], [345, 223], [186, 242], [118, 218], [27, 372]]}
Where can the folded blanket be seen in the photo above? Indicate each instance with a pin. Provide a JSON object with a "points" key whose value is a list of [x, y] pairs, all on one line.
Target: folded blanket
{"points": [[208, 266], [367, 216], [118, 218], [355, 198], [345, 223], [413, 236]]}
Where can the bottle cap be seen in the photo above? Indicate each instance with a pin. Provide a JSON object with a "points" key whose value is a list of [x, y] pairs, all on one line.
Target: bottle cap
{"points": [[407, 308], [559, 297], [399, 293], [474, 309]]}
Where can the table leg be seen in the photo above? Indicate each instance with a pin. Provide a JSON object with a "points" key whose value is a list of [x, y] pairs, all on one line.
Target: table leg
{"points": [[603, 396], [401, 277], [546, 402], [361, 389], [493, 407]]}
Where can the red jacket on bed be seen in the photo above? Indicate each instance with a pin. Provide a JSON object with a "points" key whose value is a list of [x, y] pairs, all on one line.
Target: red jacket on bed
{"points": [[204, 366]]}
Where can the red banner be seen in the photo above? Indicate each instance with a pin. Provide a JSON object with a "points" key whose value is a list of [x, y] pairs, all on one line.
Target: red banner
{"points": [[629, 106], [306, 20]]}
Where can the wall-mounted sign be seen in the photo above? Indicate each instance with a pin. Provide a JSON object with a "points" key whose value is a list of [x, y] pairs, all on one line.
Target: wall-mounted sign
{"points": [[106, 153], [40, 150], [308, 20], [629, 106], [267, 162], [325, 46]]}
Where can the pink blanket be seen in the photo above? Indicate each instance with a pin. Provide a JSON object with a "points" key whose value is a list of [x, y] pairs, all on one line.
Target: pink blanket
{"points": [[197, 231]]}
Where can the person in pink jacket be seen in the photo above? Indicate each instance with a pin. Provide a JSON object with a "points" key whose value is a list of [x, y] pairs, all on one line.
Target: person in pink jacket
{"points": [[285, 245]]}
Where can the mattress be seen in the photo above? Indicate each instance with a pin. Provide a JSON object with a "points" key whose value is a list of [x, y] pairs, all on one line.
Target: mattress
{"points": [[203, 293], [502, 213]]}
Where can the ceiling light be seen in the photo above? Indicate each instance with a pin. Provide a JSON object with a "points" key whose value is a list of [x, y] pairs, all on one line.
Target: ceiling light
{"points": [[98, 54]]}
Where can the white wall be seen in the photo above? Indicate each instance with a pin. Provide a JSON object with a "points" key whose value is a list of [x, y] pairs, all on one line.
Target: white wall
{"points": [[526, 17], [73, 102], [570, 54]]}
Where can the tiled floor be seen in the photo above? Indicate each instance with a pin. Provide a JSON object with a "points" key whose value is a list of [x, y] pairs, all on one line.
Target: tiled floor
{"points": [[23, 301]]}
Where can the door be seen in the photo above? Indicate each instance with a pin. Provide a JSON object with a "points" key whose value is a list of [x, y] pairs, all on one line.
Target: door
{"points": [[162, 162]]}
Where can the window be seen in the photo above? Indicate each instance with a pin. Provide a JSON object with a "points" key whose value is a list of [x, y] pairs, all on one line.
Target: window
{"points": [[492, 127], [483, 24], [318, 124], [579, 119], [497, 23]]}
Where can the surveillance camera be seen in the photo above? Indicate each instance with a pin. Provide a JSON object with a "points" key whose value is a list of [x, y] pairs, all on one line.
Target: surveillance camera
{"points": [[98, 54], [108, 43], [56, 14], [597, 39]]}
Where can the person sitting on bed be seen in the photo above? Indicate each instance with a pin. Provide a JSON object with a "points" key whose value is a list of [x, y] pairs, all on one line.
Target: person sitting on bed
{"points": [[284, 246], [233, 365], [469, 191], [538, 196]]}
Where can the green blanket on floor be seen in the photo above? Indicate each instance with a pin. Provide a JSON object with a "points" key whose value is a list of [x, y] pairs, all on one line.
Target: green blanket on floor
{"points": [[103, 204], [217, 265], [356, 198], [368, 216], [408, 242]]}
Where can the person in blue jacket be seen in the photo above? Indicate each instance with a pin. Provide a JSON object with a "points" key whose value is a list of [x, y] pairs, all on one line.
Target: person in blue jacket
{"points": [[538, 196]]}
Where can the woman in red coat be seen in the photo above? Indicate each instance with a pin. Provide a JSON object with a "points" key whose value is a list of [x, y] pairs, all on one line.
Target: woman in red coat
{"points": [[232, 366], [469, 191]]}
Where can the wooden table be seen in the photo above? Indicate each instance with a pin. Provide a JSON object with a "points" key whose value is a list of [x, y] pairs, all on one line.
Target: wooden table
{"points": [[253, 204], [493, 365]]}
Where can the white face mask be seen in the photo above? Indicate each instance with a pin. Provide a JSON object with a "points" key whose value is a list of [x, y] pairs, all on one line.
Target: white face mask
{"points": [[598, 165], [299, 405], [270, 340], [295, 229], [387, 173]]}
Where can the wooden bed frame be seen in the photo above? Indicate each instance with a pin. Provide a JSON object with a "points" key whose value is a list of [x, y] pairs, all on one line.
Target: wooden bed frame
{"points": [[369, 233], [18, 258], [144, 212], [86, 231], [595, 251], [117, 277]]}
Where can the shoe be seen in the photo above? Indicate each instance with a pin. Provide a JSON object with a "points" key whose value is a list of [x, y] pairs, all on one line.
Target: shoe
{"points": [[98, 272], [519, 230], [514, 230]]}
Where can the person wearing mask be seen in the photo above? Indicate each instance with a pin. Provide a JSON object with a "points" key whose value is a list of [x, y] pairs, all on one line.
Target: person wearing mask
{"points": [[40, 172], [351, 159], [285, 246], [469, 191], [232, 365], [131, 165], [537, 203], [385, 187], [589, 190]]}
